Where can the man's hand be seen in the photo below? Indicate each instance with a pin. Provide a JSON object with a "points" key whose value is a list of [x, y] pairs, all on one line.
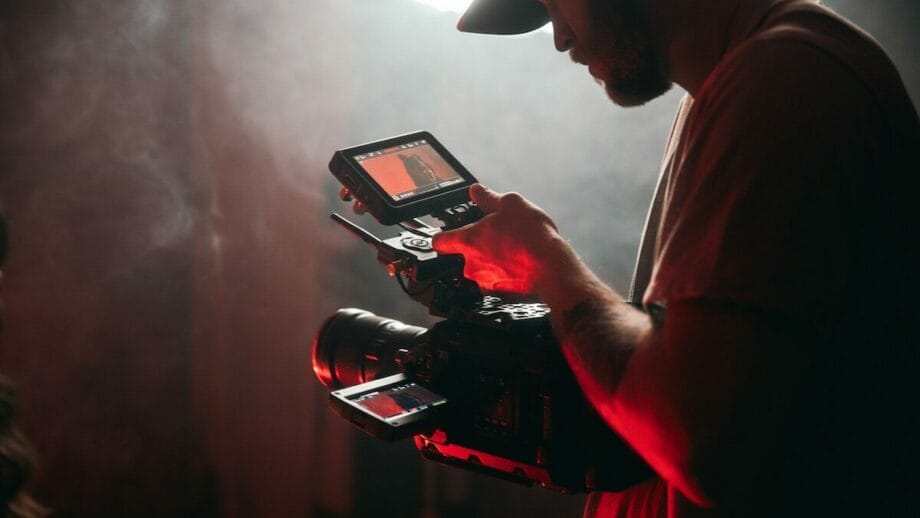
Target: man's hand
{"points": [[511, 249]]}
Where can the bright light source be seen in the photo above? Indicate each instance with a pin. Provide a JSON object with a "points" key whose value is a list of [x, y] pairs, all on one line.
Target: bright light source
{"points": [[456, 6]]}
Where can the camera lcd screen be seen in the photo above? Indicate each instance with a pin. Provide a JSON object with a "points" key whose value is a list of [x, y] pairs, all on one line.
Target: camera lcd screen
{"points": [[409, 169], [398, 400], [404, 177]]}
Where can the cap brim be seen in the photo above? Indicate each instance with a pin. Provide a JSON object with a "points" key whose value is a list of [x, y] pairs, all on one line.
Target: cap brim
{"points": [[503, 17]]}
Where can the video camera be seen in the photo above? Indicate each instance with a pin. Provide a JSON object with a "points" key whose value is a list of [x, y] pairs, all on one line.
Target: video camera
{"points": [[487, 388]]}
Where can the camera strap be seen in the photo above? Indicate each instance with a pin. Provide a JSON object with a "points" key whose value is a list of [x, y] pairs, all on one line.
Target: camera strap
{"points": [[642, 273]]}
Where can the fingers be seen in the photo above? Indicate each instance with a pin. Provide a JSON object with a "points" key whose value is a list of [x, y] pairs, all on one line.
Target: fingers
{"points": [[450, 242], [486, 199], [462, 240]]}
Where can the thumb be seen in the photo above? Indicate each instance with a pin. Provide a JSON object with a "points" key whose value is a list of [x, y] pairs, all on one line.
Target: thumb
{"points": [[486, 199], [447, 242]]}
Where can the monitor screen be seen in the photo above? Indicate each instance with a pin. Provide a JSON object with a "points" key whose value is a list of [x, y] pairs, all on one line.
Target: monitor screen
{"points": [[398, 400], [407, 170]]}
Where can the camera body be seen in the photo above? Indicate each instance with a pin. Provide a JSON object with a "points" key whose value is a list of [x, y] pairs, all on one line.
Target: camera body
{"points": [[486, 389]]}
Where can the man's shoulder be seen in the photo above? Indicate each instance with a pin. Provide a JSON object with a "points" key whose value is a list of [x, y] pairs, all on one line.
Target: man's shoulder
{"points": [[812, 53], [843, 43]]}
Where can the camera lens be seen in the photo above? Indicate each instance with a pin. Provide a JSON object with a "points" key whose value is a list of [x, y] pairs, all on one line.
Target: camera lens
{"points": [[355, 346]]}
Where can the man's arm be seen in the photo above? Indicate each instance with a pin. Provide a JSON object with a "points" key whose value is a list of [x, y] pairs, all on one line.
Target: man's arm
{"points": [[701, 396]]}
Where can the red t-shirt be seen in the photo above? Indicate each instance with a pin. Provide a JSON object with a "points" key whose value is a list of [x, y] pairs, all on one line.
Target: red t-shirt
{"points": [[785, 189]]}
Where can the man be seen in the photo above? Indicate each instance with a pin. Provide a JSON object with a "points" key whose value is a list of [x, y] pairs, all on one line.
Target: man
{"points": [[769, 367]]}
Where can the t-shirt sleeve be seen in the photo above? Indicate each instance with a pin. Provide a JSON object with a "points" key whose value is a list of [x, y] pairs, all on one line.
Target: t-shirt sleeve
{"points": [[759, 204]]}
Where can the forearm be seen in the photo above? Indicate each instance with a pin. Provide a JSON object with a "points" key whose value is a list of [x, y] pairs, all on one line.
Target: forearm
{"points": [[600, 334], [614, 350], [671, 403], [597, 328]]}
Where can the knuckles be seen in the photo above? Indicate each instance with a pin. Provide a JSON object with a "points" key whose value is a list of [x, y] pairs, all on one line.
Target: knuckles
{"points": [[517, 206], [513, 200]]}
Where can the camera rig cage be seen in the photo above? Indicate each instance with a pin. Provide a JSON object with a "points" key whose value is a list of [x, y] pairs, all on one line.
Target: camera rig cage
{"points": [[513, 409]]}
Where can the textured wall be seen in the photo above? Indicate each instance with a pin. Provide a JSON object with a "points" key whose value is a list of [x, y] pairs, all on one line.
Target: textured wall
{"points": [[94, 176]]}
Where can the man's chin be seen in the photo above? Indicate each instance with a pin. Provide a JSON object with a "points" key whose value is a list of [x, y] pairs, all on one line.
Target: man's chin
{"points": [[633, 95]]}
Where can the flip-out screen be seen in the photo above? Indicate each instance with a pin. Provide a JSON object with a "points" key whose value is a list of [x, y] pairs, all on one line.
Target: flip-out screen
{"points": [[397, 401], [391, 408]]}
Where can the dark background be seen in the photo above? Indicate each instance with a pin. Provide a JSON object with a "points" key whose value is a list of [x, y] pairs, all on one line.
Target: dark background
{"points": [[163, 170]]}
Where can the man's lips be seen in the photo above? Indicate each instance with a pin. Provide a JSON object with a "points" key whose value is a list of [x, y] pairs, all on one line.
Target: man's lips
{"points": [[581, 59], [577, 57]]}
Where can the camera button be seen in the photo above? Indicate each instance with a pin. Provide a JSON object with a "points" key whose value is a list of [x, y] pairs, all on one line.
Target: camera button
{"points": [[417, 243]]}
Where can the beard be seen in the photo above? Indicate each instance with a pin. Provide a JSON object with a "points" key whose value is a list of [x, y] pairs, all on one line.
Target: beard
{"points": [[621, 54]]}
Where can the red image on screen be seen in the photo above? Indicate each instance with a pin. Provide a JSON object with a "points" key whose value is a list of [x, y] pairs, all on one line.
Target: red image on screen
{"points": [[399, 400], [409, 169]]}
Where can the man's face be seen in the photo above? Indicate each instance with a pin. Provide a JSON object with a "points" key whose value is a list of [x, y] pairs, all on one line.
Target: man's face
{"points": [[612, 39]]}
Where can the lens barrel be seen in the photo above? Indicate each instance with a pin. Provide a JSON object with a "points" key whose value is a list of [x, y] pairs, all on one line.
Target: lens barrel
{"points": [[355, 346]]}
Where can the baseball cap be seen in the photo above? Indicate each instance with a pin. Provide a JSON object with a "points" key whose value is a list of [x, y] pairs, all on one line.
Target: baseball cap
{"points": [[503, 17]]}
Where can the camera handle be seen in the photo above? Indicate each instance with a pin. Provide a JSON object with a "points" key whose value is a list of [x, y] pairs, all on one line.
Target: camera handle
{"points": [[434, 280]]}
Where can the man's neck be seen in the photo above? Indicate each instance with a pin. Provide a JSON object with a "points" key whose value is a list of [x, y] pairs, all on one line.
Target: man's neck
{"points": [[694, 36]]}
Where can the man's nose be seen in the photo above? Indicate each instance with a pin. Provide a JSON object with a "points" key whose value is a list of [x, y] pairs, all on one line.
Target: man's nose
{"points": [[562, 36]]}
